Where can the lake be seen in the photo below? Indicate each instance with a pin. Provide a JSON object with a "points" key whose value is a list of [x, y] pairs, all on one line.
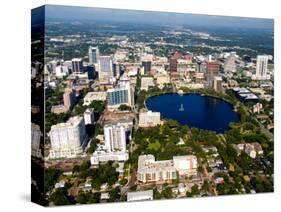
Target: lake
{"points": [[194, 110]]}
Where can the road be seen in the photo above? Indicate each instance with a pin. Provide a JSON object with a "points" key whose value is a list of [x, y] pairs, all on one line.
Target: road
{"points": [[131, 181]]}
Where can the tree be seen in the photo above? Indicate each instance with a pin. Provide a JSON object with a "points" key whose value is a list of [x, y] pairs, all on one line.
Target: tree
{"points": [[93, 145], [98, 106], [75, 169], [51, 177], [114, 194], [123, 181], [59, 197], [82, 198], [195, 190], [206, 186], [96, 184], [124, 107], [167, 193]]}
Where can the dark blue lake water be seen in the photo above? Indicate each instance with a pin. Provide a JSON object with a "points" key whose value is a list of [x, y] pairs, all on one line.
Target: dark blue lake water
{"points": [[202, 112]]}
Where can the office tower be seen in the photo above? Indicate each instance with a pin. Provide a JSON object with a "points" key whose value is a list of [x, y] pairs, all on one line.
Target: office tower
{"points": [[122, 94], [261, 67], [91, 71], [77, 65], [217, 84], [147, 66], [173, 64], [114, 137], [93, 54], [230, 63], [125, 83], [117, 96], [105, 66], [89, 116], [213, 68], [116, 70], [69, 98], [67, 138], [212, 71]]}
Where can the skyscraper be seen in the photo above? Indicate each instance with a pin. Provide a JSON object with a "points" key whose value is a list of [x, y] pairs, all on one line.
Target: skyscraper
{"points": [[93, 54], [105, 68], [147, 66], [173, 64], [174, 61], [212, 71], [217, 84], [77, 65], [213, 68], [261, 67], [230, 63], [115, 137], [117, 96]]}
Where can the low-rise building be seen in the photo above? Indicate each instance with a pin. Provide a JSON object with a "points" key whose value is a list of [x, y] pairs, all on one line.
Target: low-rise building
{"points": [[102, 155], [245, 95], [185, 165], [94, 96], [147, 82], [257, 108], [150, 170], [149, 119], [140, 195], [251, 149], [162, 79]]}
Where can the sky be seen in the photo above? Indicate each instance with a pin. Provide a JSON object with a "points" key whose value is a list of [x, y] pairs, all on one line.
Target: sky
{"points": [[55, 12]]}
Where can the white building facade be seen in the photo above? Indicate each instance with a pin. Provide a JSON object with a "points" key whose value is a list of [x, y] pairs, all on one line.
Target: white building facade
{"points": [[36, 135], [149, 119], [89, 116], [261, 68], [114, 137], [150, 170], [67, 139]]}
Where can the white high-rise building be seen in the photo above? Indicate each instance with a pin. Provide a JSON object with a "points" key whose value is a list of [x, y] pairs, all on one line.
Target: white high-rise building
{"points": [[261, 68], [77, 65], [115, 137], [89, 116], [149, 119], [35, 140], [230, 63], [105, 69], [67, 139]]}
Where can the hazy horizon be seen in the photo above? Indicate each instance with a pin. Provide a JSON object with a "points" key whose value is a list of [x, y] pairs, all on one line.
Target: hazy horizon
{"points": [[75, 13]]}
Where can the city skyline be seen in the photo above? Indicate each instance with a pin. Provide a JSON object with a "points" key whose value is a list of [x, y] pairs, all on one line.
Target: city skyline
{"points": [[154, 107]]}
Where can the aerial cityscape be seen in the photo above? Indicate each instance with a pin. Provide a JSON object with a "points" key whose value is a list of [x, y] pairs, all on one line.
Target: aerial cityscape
{"points": [[134, 105]]}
